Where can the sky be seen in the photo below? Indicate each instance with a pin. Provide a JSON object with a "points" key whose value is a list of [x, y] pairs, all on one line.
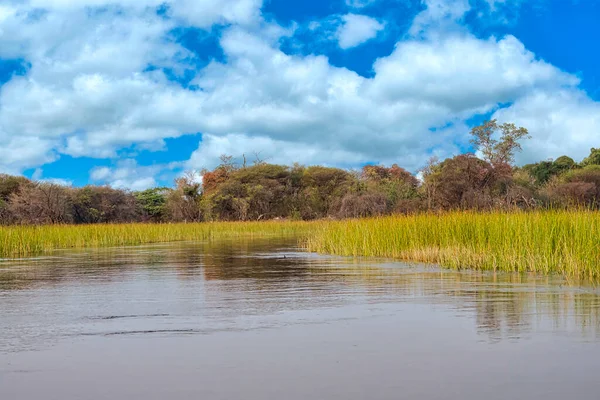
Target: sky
{"points": [[132, 93]]}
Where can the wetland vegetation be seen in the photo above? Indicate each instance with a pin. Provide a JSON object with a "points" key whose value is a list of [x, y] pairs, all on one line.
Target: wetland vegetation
{"points": [[468, 211]]}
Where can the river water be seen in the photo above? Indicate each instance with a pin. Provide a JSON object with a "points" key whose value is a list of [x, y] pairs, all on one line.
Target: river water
{"points": [[263, 320]]}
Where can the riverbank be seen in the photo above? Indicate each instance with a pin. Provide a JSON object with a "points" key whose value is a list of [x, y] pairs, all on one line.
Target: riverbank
{"points": [[550, 242], [25, 241]]}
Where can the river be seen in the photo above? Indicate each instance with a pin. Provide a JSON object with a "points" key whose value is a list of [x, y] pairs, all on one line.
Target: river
{"points": [[261, 319]]}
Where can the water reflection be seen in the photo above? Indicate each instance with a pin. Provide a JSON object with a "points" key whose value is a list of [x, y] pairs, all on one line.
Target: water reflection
{"points": [[202, 288]]}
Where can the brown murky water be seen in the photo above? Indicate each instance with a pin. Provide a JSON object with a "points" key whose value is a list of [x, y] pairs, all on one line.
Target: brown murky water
{"points": [[263, 320]]}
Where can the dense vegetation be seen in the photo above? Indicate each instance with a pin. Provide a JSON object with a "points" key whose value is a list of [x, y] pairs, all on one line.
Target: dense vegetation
{"points": [[21, 241], [263, 191], [548, 242]]}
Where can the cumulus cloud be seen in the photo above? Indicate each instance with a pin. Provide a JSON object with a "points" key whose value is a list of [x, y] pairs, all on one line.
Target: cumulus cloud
{"points": [[89, 90], [440, 16], [359, 3], [356, 30], [562, 122], [129, 175], [38, 176], [304, 109], [205, 13], [464, 73], [262, 148]]}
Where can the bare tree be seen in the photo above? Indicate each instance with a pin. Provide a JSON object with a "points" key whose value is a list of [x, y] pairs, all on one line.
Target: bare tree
{"points": [[41, 203]]}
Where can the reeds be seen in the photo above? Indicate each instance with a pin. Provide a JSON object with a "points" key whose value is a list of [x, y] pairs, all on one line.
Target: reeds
{"points": [[561, 242], [549, 242], [23, 241]]}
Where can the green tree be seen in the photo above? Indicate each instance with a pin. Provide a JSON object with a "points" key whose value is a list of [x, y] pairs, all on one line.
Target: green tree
{"points": [[593, 158], [565, 163], [543, 171], [502, 150], [153, 203]]}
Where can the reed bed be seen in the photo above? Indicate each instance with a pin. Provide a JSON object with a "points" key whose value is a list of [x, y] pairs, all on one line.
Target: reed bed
{"points": [[24, 241], [549, 242]]}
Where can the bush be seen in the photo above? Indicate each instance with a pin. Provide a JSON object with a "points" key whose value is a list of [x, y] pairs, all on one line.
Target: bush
{"points": [[359, 206]]}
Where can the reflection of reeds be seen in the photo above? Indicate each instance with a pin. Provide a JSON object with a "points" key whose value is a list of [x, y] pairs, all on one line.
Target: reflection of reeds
{"points": [[21, 241], [505, 305], [242, 276], [563, 242]]}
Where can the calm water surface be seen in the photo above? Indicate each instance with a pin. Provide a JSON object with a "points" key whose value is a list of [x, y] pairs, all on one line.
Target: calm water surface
{"points": [[263, 320]]}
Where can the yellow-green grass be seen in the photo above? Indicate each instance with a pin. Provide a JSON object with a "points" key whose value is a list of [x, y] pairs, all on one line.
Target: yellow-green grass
{"points": [[24, 241], [561, 242]]}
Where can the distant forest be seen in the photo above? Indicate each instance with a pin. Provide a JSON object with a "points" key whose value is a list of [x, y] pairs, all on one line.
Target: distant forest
{"points": [[261, 191]]}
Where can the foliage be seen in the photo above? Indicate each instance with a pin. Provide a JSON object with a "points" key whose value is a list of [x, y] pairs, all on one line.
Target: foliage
{"points": [[153, 203], [502, 150], [183, 202], [593, 158], [261, 191], [103, 204], [41, 203], [543, 171], [464, 181]]}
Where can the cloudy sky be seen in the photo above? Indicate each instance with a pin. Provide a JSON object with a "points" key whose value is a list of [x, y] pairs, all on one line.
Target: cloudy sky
{"points": [[133, 92]]}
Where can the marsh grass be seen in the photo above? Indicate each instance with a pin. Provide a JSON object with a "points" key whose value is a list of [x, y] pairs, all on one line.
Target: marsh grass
{"points": [[549, 242], [24, 241]]}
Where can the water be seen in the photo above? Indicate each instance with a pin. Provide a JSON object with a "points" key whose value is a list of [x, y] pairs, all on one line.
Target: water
{"points": [[263, 320]]}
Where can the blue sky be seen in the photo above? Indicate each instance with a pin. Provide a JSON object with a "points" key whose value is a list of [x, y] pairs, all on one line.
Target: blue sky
{"points": [[131, 93]]}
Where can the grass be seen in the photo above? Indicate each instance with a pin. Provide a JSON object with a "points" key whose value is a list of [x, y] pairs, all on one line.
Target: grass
{"points": [[549, 242], [24, 241]]}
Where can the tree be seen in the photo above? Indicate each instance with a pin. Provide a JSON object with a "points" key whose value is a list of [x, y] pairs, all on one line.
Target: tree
{"points": [[502, 150], [394, 184], [183, 203], [9, 185], [565, 163], [543, 171], [322, 190], [464, 181], [103, 204], [41, 203], [429, 173], [153, 203], [593, 158]]}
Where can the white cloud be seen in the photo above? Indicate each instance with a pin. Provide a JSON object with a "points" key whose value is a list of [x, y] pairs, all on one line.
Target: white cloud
{"points": [[262, 148], [561, 122], [89, 93], [20, 152], [440, 16], [357, 29], [86, 93], [303, 109], [359, 3], [205, 13], [38, 177], [57, 181], [464, 73], [129, 175]]}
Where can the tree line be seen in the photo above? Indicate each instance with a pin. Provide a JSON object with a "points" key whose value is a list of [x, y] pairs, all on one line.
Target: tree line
{"points": [[232, 192]]}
